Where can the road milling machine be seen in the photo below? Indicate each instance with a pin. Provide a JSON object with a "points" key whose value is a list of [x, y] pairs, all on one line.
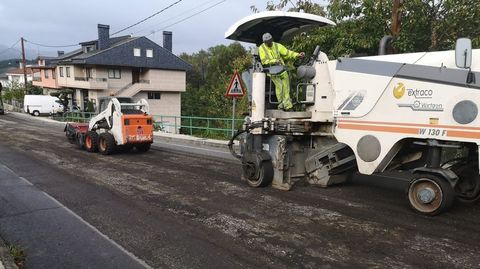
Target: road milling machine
{"points": [[121, 124], [408, 116]]}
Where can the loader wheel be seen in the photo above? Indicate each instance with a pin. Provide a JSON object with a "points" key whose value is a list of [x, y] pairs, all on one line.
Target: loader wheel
{"points": [[106, 144], [126, 148], [258, 176], [430, 194], [143, 147], [80, 141], [91, 141]]}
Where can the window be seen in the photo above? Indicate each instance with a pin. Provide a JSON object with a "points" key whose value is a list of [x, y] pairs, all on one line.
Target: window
{"points": [[149, 53], [137, 52], [53, 74], [61, 71], [89, 48], [114, 73], [67, 70], [154, 95], [46, 73]]}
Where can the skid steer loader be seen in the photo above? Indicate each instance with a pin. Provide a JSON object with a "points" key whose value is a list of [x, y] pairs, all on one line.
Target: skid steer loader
{"points": [[412, 117], [121, 124]]}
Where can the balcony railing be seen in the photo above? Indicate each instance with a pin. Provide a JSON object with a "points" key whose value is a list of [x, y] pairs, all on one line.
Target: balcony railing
{"points": [[90, 79], [37, 79], [85, 83]]}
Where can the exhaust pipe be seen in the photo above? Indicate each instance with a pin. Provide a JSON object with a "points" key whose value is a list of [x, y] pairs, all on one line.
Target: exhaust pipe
{"points": [[384, 44]]}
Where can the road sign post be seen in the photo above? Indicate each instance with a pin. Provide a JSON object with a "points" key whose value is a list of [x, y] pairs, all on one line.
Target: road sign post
{"points": [[234, 90], [233, 116]]}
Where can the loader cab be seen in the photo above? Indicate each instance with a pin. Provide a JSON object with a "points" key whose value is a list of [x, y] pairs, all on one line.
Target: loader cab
{"points": [[131, 109], [283, 26]]}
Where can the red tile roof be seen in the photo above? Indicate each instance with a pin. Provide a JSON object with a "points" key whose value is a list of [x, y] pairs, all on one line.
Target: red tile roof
{"points": [[19, 71]]}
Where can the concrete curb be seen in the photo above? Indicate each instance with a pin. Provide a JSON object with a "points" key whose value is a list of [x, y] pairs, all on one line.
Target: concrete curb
{"points": [[44, 119], [191, 140], [6, 259]]}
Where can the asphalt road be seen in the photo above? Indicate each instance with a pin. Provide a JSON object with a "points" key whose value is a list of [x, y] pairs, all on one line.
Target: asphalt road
{"points": [[176, 207]]}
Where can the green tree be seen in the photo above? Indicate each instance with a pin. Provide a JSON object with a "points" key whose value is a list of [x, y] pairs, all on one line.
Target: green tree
{"points": [[306, 6], [14, 92], [436, 24], [90, 107], [207, 80], [35, 90], [426, 25], [64, 97]]}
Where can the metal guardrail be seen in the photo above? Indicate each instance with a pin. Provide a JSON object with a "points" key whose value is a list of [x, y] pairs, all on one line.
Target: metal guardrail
{"points": [[198, 126], [74, 116], [195, 126]]}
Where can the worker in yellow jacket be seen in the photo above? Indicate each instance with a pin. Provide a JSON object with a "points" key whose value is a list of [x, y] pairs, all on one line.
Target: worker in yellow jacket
{"points": [[272, 53]]}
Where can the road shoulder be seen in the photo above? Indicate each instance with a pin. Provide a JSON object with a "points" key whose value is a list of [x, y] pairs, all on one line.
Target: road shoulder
{"points": [[52, 235]]}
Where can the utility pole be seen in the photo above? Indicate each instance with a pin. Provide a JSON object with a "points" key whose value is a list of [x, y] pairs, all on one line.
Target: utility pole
{"points": [[24, 65], [386, 43], [396, 17]]}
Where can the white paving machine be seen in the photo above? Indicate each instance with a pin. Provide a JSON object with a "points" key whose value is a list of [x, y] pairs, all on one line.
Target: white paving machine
{"points": [[408, 116]]}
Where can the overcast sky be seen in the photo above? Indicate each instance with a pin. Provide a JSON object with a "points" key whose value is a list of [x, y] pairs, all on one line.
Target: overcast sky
{"points": [[61, 22]]}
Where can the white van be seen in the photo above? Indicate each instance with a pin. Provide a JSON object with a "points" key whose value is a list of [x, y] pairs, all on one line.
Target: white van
{"points": [[37, 105]]}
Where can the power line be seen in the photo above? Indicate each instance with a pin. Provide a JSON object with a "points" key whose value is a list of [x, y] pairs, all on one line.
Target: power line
{"points": [[137, 23], [292, 3], [154, 14], [11, 47], [50, 46], [186, 18], [174, 17]]}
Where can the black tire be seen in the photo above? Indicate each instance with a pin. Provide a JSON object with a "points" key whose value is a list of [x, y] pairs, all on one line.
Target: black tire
{"points": [[127, 148], [71, 139], [468, 185], [36, 113], [430, 194], [80, 140], [143, 147], [106, 144], [258, 176], [91, 141]]}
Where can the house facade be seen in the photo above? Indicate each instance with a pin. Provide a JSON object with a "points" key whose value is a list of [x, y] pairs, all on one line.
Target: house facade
{"points": [[45, 75], [16, 75], [120, 66]]}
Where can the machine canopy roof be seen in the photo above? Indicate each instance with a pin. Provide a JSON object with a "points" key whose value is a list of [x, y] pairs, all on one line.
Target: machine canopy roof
{"points": [[282, 25]]}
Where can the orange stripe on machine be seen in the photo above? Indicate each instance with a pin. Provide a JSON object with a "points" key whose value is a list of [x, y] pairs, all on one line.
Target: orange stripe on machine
{"points": [[411, 124], [409, 128], [389, 129]]}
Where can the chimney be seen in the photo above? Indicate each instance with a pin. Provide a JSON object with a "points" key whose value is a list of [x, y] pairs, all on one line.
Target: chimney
{"points": [[60, 53], [167, 40], [103, 36]]}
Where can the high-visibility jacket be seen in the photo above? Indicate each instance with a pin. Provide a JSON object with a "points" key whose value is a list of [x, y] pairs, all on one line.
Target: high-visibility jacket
{"points": [[275, 53]]}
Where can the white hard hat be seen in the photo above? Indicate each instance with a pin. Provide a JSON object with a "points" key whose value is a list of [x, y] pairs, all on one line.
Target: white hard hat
{"points": [[267, 37]]}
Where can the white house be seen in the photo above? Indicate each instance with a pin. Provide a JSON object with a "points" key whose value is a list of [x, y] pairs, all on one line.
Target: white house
{"points": [[16, 75]]}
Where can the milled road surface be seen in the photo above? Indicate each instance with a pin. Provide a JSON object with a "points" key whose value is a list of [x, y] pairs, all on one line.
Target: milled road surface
{"points": [[176, 209]]}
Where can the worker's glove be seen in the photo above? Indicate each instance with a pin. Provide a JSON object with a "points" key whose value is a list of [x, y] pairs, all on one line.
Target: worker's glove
{"points": [[301, 55]]}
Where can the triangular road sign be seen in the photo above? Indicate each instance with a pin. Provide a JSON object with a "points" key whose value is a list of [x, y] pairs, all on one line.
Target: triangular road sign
{"points": [[235, 87]]}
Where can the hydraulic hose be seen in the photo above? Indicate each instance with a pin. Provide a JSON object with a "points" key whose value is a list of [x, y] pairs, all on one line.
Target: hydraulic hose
{"points": [[239, 132], [230, 144]]}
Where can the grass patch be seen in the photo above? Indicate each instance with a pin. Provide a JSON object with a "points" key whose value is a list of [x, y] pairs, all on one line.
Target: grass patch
{"points": [[18, 255]]}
